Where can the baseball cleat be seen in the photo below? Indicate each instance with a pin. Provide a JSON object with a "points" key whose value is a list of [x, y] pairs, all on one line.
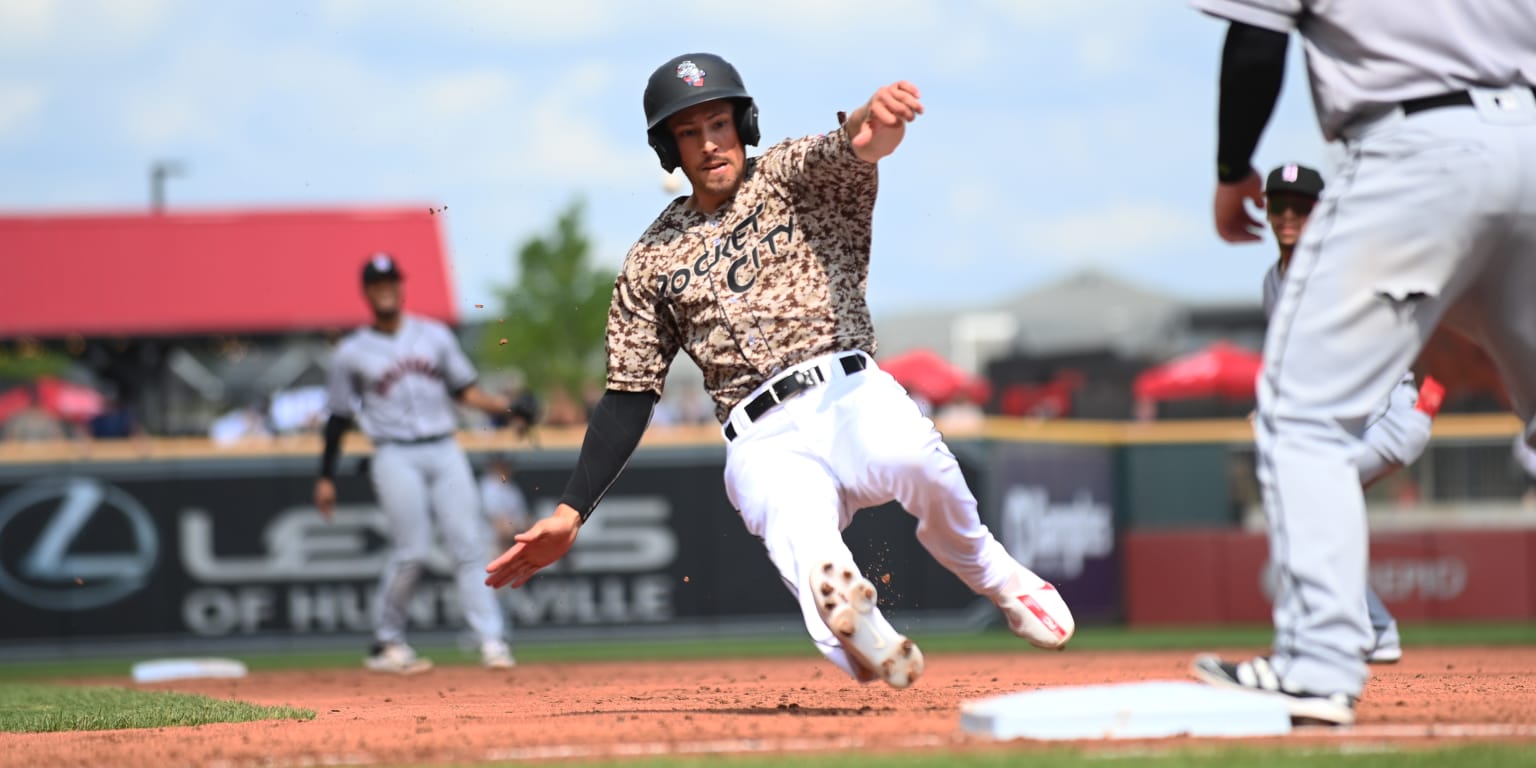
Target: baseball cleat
{"points": [[494, 654], [1388, 648], [847, 602], [1258, 676], [1035, 610], [397, 658]]}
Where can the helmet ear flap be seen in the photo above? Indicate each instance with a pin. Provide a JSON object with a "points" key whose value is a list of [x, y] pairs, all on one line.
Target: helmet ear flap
{"points": [[666, 149], [746, 122]]}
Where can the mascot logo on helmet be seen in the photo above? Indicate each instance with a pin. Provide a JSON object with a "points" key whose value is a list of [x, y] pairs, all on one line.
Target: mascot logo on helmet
{"points": [[690, 73]]}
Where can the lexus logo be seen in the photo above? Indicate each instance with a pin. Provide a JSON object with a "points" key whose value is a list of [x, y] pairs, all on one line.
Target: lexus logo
{"points": [[72, 544]]}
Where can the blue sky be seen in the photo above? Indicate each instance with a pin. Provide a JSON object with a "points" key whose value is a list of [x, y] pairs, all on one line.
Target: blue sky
{"points": [[1059, 135]]}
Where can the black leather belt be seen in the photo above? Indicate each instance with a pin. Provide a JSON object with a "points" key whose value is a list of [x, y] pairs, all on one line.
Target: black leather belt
{"points": [[793, 384], [1456, 99], [416, 440]]}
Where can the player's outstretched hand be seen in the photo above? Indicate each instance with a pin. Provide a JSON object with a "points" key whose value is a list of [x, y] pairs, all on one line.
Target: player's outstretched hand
{"points": [[325, 497], [885, 120], [1233, 222], [547, 541]]}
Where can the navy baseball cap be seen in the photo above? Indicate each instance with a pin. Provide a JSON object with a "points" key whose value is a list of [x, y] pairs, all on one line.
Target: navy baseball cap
{"points": [[380, 267], [1295, 179]]}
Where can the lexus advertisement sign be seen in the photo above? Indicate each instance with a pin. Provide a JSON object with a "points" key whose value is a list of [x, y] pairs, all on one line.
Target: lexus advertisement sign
{"points": [[235, 548]]}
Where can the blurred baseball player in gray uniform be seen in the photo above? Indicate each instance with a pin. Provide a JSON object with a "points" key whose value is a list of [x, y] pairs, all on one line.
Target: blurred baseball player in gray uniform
{"points": [[502, 502], [1399, 428], [1432, 217], [760, 277], [400, 377]]}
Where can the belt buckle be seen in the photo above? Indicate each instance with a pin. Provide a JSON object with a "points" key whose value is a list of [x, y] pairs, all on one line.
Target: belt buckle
{"points": [[795, 383]]}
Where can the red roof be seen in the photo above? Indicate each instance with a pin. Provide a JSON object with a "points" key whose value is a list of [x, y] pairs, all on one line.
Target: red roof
{"points": [[211, 272]]}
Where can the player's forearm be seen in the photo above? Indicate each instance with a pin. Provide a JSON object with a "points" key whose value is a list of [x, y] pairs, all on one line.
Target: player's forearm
{"points": [[1252, 69], [482, 400], [618, 421], [335, 428]]}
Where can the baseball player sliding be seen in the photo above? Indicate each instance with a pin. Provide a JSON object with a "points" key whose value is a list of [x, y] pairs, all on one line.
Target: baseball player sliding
{"points": [[760, 277], [1398, 430], [1433, 218], [400, 376]]}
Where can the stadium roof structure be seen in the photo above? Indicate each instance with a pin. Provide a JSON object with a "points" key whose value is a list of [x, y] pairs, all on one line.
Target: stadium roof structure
{"points": [[212, 272]]}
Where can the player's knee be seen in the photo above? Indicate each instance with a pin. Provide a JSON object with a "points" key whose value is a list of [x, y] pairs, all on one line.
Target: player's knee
{"points": [[466, 552]]}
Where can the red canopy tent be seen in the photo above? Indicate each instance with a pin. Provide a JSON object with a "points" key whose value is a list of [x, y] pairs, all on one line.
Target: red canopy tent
{"points": [[62, 399], [924, 373], [1222, 370]]}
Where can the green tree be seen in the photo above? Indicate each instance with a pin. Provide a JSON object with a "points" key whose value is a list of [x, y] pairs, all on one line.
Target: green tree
{"points": [[553, 316], [28, 360]]}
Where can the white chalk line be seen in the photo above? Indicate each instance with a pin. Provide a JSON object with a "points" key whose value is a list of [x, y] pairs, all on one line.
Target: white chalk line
{"points": [[710, 747], [1423, 731]]}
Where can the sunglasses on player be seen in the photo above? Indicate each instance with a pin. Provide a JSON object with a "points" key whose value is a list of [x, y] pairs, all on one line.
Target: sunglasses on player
{"points": [[1301, 206]]}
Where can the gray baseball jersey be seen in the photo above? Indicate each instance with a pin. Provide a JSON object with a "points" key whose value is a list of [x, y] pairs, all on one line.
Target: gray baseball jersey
{"points": [[1367, 56], [399, 387]]}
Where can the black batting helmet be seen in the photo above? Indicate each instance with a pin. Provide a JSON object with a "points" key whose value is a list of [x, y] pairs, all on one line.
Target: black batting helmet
{"points": [[690, 79]]}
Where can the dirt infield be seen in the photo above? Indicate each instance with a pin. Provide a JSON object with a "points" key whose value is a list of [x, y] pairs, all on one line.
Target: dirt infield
{"points": [[544, 712]]}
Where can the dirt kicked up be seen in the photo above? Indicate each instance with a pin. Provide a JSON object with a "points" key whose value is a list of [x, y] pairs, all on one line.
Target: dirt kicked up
{"points": [[597, 710]]}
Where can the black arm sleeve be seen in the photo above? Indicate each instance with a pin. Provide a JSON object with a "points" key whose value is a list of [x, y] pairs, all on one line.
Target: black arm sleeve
{"points": [[613, 432], [335, 427], [1252, 68]]}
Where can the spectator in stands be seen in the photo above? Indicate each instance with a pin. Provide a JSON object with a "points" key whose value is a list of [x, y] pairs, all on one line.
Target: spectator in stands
{"points": [[117, 419], [241, 424], [32, 424]]}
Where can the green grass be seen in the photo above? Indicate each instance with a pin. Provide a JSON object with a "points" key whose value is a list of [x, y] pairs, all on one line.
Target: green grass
{"points": [[1469, 756], [1089, 638], [30, 708]]}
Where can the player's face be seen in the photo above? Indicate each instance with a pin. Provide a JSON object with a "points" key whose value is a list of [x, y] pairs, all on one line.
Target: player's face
{"points": [[383, 297], [1288, 216], [712, 155]]}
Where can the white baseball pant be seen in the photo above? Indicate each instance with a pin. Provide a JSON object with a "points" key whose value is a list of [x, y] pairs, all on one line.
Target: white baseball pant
{"points": [[800, 472]]}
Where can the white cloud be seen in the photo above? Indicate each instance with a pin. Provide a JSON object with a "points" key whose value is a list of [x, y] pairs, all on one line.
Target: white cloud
{"points": [[465, 95], [52, 27], [499, 20], [1100, 54], [164, 122], [19, 103], [26, 23], [841, 18], [128, 21], [1080, 14], [574, 21]]}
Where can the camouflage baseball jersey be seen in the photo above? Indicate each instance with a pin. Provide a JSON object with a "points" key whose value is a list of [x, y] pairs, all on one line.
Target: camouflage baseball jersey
{"points": [[775, 277]]}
